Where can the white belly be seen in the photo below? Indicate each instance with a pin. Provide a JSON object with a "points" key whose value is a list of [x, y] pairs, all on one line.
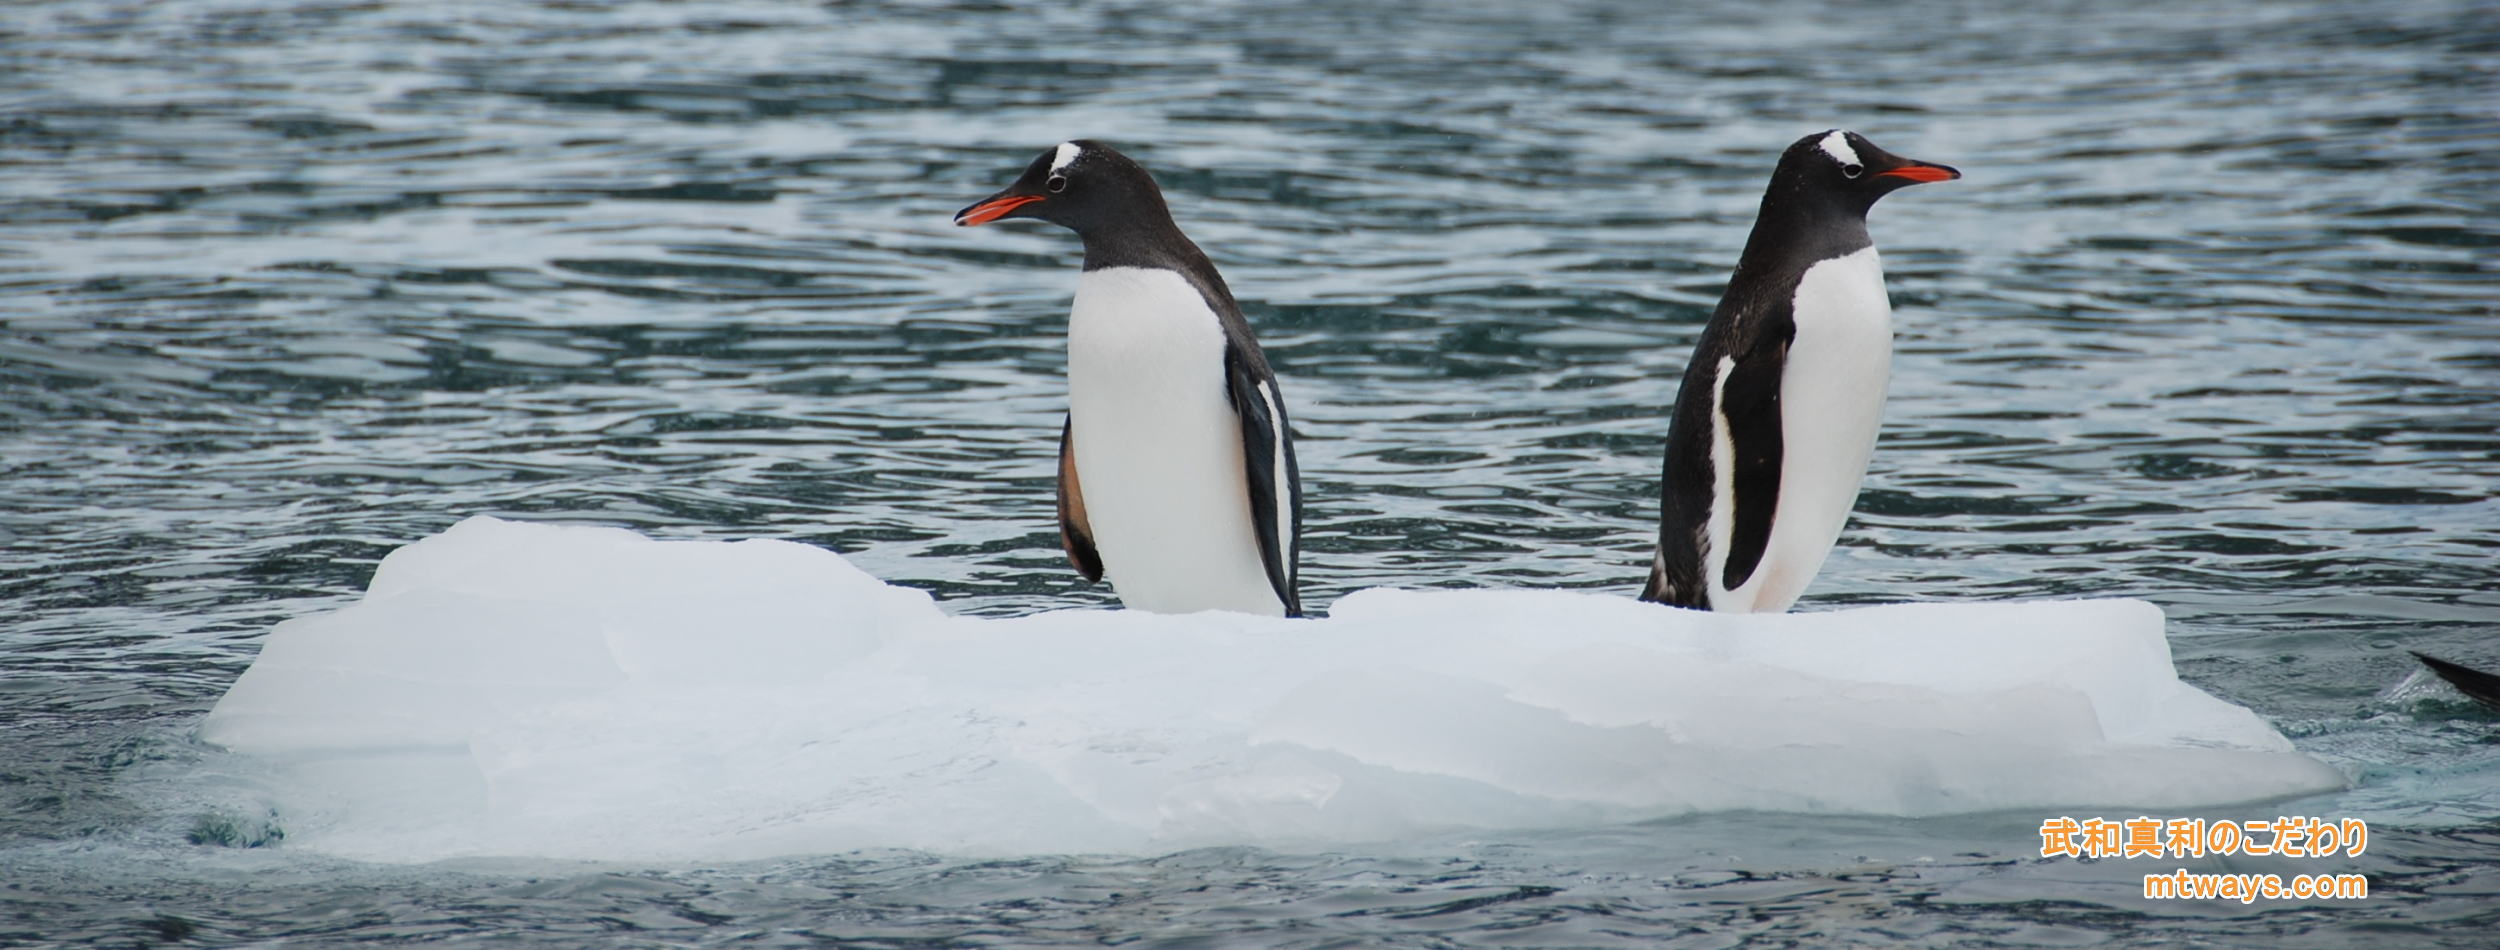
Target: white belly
{"points": [[1158, 448], [1831, 405]]}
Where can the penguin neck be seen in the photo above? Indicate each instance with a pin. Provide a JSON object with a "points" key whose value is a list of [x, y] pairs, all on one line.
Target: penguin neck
{"points": [[1153, 241], [1794, 230], [1145, 241]]}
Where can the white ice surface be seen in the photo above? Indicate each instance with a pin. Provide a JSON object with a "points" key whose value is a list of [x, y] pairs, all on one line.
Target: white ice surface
{"points": [[518, 689]]}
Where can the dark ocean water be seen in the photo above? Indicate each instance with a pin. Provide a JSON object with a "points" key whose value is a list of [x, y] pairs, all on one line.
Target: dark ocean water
{"points": [[2213, 321]]}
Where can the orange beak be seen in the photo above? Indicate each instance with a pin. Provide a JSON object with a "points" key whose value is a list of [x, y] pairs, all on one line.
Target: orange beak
{"points": [[993, 209], [1920, 172]]}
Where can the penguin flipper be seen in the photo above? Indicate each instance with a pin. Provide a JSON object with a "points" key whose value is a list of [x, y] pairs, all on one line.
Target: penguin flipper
{"points": [[1750, 401], [1267, 459], [1676, 566], [1679, 564], [2482, 687], [1075, 534]]}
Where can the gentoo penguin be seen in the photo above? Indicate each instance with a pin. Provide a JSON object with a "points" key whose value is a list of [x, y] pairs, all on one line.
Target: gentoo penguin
{"points": [[1777, 412], [1176, 469]]}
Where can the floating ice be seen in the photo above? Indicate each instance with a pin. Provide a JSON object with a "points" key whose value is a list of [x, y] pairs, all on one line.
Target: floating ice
{"points": [[517, 689]]}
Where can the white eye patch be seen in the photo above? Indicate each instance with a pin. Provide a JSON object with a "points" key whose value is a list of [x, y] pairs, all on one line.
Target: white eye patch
{"points": [[1835, 145], [1067, 155]]}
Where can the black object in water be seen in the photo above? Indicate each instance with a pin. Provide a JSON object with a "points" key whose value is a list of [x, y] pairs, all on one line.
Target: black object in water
{"points": [[2483, 687]]}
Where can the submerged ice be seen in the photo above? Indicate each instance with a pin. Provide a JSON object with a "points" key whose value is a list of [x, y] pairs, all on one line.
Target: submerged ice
{"points": [[519, 689]]}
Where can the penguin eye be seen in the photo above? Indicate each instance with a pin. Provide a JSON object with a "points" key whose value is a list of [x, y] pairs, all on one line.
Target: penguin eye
{"points": [[1059, 183], [1852, 170]]}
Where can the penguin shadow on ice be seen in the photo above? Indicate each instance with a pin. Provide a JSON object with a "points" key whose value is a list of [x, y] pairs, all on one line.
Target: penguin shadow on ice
{"points": [[1176, 470]]}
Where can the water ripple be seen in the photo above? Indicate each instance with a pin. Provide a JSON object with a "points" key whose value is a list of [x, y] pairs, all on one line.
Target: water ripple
{"points": [[2211, 322]]}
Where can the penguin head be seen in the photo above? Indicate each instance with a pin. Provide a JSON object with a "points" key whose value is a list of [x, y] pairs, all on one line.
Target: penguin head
{"points": [[1081, 185], [1843, 166]]}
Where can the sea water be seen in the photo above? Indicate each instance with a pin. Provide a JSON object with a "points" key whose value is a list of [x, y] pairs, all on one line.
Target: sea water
{"points": [[292, 285]]}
